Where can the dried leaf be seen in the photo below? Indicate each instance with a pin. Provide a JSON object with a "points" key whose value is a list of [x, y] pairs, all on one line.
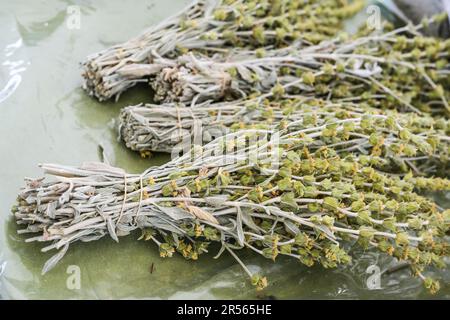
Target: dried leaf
{"points": [[216, 201], [51, 209], [202, 214], [175, 213]]}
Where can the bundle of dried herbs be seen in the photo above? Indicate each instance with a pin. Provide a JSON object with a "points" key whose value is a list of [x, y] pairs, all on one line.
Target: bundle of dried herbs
{"points": [[394, 70], [275, 193], [391, 141], [214, 27]]}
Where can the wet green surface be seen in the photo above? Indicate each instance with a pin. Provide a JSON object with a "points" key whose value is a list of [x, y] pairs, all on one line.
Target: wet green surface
{"points": [[46, 117]]}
